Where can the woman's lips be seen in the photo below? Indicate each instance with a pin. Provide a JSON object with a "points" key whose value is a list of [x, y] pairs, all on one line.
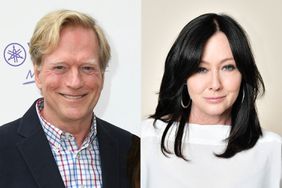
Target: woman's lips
{"points": [[214, 100]]}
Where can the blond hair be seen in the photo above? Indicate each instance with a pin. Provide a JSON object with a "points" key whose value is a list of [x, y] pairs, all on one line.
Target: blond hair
{"points": [[46, 35]]}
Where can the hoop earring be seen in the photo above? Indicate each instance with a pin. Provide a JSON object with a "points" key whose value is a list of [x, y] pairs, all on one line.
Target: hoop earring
{"points": [[185, 106], [243, 96], [184, 90]]}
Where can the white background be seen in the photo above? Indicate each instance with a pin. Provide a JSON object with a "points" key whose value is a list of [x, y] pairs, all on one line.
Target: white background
{"points": [[120, 99]]}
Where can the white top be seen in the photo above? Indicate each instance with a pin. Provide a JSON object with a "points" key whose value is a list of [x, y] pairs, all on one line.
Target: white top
{"points": [[259, 167]]}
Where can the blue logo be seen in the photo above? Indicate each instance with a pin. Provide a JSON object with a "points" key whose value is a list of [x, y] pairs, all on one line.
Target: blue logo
{"points": [[15, 54]]}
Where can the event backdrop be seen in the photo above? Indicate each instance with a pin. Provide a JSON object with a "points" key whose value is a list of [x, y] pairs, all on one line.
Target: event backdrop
{"points": [[120, 98]]}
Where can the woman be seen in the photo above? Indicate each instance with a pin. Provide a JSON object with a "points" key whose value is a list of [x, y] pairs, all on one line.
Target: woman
{"points": [[205, 131]]}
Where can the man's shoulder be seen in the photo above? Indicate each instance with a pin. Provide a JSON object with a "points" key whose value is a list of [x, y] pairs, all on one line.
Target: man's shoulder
{"points": [[9, 128], [9, 133], [109, 128], [29, 116]]}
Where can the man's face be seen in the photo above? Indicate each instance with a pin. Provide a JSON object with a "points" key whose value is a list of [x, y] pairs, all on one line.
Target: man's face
{"points": [[70, 78]]}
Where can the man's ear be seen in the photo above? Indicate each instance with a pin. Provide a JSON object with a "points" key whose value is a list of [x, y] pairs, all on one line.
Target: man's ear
{"points": [[103, 80], [37, 70]]}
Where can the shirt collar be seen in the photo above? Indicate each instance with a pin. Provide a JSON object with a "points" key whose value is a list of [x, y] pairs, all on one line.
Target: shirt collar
{"points": [[59, 138]]}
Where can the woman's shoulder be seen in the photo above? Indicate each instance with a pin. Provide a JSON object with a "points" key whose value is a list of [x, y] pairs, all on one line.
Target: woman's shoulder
{"points": [[269, 136], [150, 127]]}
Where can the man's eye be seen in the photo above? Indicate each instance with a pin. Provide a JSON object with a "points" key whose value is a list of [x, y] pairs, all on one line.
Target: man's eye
{"points": [[59, 67], [88, 69], [229, 67]]}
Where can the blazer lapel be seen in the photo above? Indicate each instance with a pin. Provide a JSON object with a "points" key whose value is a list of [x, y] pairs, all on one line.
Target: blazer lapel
{"points": [[37, 153], [109, 157]]}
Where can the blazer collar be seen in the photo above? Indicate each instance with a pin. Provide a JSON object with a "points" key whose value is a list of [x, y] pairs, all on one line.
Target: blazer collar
{"points": [[109, 156], [36, 151], [38, 156]]}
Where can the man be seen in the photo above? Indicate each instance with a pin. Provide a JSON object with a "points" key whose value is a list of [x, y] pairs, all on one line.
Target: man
{"points": [[59, 142]]}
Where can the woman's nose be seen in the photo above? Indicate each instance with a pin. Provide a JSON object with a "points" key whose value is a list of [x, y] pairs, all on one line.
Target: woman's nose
{"points": [[215, 82]]}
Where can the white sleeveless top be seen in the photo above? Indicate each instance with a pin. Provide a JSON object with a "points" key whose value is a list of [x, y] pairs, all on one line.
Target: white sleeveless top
{"points": [[259, 167]]}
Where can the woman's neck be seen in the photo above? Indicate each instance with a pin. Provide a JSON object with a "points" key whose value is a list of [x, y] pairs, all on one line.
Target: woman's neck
{"points": [[205, 119]]}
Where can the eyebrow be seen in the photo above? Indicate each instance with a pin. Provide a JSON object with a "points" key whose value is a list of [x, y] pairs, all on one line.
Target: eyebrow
{"points": [[222, 61], [90, 61]]}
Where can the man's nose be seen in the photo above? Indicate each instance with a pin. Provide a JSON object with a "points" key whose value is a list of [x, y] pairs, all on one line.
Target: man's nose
{"points": [[74, 79]]}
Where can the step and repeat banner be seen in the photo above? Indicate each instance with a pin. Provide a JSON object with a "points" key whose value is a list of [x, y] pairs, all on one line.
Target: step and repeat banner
{"points": [[120, 99]]}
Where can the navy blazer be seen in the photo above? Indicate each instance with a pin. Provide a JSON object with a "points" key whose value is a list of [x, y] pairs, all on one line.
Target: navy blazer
{"points": [[26, 159]]}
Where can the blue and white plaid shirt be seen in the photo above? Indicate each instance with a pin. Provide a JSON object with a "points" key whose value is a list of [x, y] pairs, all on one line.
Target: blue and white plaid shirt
{"points": [[79, 167]]}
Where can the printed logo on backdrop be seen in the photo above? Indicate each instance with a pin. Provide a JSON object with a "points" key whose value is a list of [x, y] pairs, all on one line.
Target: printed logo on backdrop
{"points": [[15, 56], [29, 77]]}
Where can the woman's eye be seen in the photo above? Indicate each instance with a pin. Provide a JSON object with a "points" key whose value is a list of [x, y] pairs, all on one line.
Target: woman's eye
{"points": [[201, 70], [229, 67]]}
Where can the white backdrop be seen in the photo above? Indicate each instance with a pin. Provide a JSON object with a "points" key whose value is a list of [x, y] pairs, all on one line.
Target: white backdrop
{"points": [[121, 95]]}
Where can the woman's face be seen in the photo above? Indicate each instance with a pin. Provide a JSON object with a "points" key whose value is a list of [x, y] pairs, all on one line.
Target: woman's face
{"points": [[215, 86]]}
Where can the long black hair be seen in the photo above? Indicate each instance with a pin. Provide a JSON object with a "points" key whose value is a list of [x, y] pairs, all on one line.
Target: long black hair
{"points": [[183, 60]]}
